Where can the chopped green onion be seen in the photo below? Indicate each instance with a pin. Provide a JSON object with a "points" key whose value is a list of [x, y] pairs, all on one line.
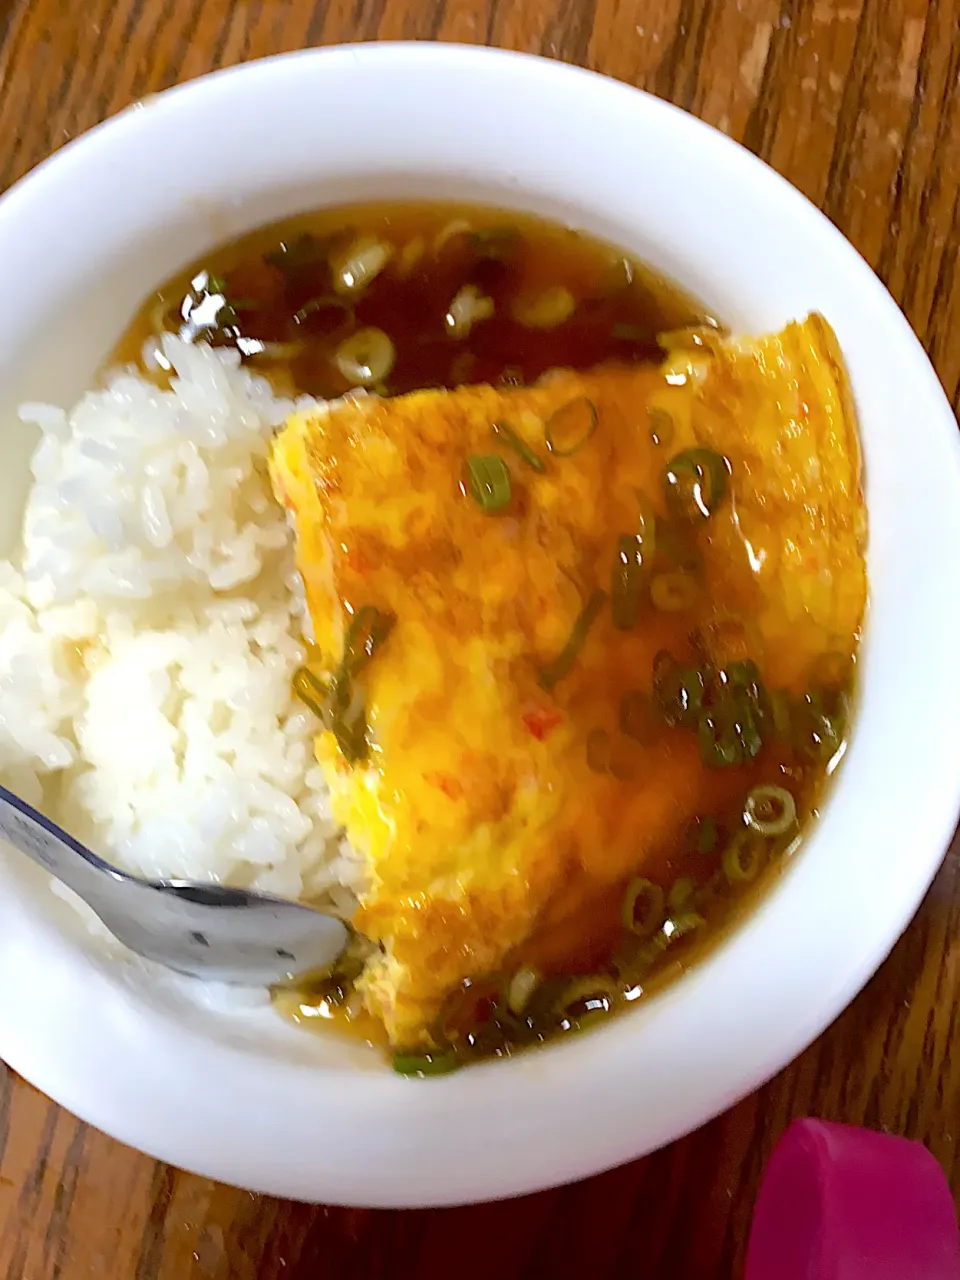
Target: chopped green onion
{"points": [[743, 674], [488, 480], [680, 924], [770, 810], [695, 482], [743, 857], [494, 244], [586, 999], [311, 691], [367, 631], [358, 264], [676, 926], [307, 250], [642, 907], [624, 332], [679, 690], [662, 427], [519, 446], [522, 986], [598, 751], [546, 310], [674, 592], [707, 834], [720, 746], [366, 357], [819, 731], [468, 307], [729, 734], [680, 893], [631, 565], [332, 307], [638, 719], [435, 1063], [748, 731], [269, 350], [555, 671], [344, 709], [349, 727], [571, 427], [703, 896], [626, 581]]}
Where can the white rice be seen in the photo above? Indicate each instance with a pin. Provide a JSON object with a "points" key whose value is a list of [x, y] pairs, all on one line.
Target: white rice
{"points": [[149, 630]]}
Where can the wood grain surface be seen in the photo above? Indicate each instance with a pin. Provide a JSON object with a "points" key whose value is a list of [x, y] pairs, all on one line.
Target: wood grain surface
{"points": [[857, 103]]}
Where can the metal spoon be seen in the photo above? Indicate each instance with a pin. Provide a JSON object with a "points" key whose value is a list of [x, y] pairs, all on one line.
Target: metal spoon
{"points": [[205, 930]]}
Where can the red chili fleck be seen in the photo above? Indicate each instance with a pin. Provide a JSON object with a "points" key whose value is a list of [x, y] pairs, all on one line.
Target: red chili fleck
{"points": [[358, 562], [541, 720], [449, 785]]}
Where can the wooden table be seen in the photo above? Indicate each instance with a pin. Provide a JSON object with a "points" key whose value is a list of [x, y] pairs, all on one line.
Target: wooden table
{"points": [[857, 103]]}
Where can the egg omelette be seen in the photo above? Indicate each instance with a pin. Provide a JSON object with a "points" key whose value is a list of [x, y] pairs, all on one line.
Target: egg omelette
{"points": [[468, 627]]}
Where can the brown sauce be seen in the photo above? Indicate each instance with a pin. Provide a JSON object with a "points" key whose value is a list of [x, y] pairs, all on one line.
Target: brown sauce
{"points": [[542, 297], [438, 250]]}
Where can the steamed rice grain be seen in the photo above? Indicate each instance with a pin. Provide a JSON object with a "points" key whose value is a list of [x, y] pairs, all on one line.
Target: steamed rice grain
{"points": [[149, 631]]}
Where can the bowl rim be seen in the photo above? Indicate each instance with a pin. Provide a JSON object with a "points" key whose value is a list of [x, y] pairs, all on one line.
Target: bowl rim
{"points": [[128, 1073]]}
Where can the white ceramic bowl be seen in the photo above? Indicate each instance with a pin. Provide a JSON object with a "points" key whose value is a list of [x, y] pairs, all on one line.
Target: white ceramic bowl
{"points": [[227, 1089]]}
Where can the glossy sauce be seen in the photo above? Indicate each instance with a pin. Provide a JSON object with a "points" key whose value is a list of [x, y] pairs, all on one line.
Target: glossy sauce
{"points": [[289, 316], [438, 250]]}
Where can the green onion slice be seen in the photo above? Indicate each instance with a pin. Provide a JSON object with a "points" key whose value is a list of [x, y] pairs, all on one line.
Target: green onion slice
{"points": [[435, 1063], [818, 728], [555, 671], [662, 426], [744, 856], [624, 332], [311, 691], [695, 482], [521, 988], [626, 581], [367, 631], [488, 481], [728, 735], [680, 924], [340, 314], [365, 357], [706, 834], [495, 244], [598, 751], [340, 704], [638, 718], [679, 690], [770, 810], [569, 429], [674, 592], [519, 446], [585, 1000], [306, 251], [680, 893], [642, 907]]}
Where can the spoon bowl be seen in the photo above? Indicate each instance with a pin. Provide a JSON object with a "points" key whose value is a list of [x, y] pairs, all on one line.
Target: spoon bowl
{"points": [[208, 931]]}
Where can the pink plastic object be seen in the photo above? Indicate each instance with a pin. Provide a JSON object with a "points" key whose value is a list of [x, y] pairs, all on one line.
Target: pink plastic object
{"points": [[840, 1203]]}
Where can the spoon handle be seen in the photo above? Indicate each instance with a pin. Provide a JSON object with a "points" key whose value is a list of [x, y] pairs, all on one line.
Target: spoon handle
{"points": [[52, 848]]}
